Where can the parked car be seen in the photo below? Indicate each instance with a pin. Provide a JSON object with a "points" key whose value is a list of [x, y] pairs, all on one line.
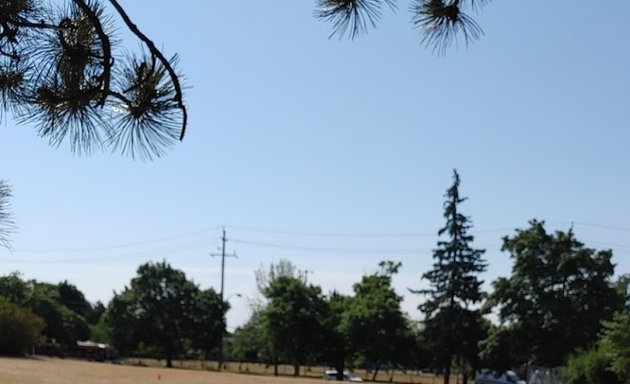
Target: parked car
{"points": [[331, 374], [487, 376]]}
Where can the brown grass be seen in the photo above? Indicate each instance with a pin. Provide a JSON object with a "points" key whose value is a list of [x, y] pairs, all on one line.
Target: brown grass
{"points": [[64, 371], [315, 372], [61, 371]]}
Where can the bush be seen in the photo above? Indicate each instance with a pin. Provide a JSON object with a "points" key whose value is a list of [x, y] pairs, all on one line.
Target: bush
{"points": [[590, 366], [19, 328], [617, 340]]}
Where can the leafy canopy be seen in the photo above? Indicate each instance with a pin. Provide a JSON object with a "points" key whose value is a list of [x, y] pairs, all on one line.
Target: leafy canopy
{"points": [[66, 313], [557, 296], [293, 318], [164, 313], [375, 310], [19, 328], [616, 339]]}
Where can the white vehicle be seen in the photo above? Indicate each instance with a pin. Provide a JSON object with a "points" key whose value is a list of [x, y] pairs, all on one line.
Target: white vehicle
{"points": [[331, 374], [487, 376]]}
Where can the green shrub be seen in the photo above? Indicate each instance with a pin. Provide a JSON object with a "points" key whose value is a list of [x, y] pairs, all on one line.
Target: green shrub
{"points": [[617, 340], [590, 366], [19, 328]]}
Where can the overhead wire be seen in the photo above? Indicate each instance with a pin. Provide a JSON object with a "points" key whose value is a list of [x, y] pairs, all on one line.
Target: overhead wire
{"points": [[326, 234], [153, 253], [119, 246], [611, 227], [359, 235], [201, 244], [326, 249]]}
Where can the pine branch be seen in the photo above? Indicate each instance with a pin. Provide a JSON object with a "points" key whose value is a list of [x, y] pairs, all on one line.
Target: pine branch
{"points": [[106, 46], [352, 15], [156, 52]]}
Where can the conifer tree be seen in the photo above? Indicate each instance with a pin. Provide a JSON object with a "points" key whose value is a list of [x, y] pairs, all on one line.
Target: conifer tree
{"points": [[452, 326], [6, 222]]}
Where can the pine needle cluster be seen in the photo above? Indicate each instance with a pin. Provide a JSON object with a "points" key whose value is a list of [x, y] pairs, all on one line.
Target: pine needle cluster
{"points": [[61, 70], [440, 22]]}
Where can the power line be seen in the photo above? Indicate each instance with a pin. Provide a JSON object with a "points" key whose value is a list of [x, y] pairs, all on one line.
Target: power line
{"points": [[125, 256], [329, 249], [612, 227], [613, 246], [473, 231], [119, 246], [327, 234], [298, 247]]}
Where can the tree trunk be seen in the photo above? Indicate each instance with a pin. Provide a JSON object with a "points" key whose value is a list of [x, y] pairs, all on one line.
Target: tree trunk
{"points": [[296, 368], [465, 377], [447, 373], [378, 366], [275, 366], [340, 367]]}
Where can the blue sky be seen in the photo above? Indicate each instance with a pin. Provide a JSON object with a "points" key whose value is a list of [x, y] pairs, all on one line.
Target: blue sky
{"points": [[297, 143]]}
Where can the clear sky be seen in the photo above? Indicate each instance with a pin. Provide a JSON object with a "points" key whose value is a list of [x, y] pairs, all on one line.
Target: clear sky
{"points": [[336, 154]]}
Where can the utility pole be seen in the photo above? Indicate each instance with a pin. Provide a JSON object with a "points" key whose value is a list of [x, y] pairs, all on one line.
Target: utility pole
{"points": [[223, 256]]}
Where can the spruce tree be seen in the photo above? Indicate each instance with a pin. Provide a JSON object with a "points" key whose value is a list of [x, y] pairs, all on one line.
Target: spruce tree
{"points": [[6, 220], [452, 326]]}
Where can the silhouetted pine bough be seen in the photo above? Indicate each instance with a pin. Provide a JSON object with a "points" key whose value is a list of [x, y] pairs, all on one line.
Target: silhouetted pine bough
{"points": [[61, 70], [440, 22]]}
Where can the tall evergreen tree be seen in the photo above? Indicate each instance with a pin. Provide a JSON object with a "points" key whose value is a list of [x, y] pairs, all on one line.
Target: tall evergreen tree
{"points": [[6, 222], [453, 327]]}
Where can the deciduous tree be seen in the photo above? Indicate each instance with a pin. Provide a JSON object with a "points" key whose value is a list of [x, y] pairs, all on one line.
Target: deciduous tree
{"points": [[251, 341], [337, 348], [557, 296], [590, 366], [19, 328], [62, 325], [373, 320], [616, 340], [163, 311], [293, 319], [208, 321]]}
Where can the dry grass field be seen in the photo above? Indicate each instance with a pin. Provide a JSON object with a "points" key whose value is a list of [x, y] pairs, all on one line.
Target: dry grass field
{"points": [[66, 371], [63, 371], [315, 372]]}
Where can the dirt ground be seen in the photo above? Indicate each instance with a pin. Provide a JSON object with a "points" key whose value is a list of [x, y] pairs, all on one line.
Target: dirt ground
{"points": [[62, 371]]}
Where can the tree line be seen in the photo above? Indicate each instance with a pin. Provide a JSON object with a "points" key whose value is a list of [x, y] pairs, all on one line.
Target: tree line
{"points": [[560, 306]]}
